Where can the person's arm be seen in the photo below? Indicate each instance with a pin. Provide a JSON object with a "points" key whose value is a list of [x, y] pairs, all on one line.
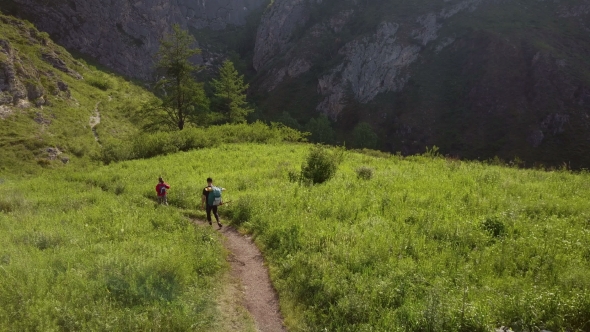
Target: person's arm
{"points": [[166, 185], [203, 201]]}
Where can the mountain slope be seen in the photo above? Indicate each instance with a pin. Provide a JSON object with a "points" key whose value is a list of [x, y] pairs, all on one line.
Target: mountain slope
{"points": [[55, 109], [477, 78], [124, 35]]}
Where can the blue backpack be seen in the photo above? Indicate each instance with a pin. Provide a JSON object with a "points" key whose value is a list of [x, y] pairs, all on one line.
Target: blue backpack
{"points": [[214, 197]]}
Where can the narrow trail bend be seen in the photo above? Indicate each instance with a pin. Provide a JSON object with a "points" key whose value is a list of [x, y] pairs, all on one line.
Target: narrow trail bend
{"points": [[247, 265], [94, 121]]}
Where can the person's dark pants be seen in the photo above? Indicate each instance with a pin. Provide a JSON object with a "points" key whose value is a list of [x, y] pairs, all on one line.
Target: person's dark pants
{"points": [[214, 209]]}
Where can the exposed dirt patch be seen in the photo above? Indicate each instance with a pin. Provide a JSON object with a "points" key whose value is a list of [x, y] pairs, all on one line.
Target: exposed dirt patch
{"points": [[247, 266], [5, 111], [94, 121]]}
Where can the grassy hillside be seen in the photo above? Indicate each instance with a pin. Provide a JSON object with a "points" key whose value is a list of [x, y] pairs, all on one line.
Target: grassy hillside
{"points": [[426, 244], [62, 121]]}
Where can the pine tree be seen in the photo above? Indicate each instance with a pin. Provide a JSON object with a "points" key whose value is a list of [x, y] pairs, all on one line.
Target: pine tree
{"points": [[364, 136], [182, 97], [230, 92], [321, 130]]}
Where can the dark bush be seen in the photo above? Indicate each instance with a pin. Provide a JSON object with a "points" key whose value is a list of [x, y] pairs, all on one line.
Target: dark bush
{"points": [[494, 227], [364, 173]]}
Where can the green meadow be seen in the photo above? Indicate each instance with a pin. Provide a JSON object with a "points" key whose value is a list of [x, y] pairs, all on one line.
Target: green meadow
{"points": [[417, 243]]}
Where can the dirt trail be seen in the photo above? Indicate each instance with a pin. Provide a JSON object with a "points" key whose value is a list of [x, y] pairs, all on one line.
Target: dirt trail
{"points": [[247, 265], [94, 121]]}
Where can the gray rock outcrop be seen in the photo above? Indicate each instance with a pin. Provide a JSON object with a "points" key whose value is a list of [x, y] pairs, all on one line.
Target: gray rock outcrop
{"points": [[276, 28], [124, 35], [21, 80], [12, 89], [371, 66]]}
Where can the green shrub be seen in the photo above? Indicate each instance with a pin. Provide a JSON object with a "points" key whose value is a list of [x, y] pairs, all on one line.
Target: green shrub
{"points": [[494, 227], [116, 150], [364, 173], [320, 165], [101, 82], [151, 145], [148, 145], [294, 176]]}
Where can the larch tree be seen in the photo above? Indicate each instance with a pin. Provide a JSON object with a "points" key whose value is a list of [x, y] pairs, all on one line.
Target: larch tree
{"points": [[182, 97], [230, 93]]}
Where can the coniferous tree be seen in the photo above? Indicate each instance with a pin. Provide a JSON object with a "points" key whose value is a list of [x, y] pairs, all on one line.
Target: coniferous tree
{"points": [[364, 136], [182, 97], [321, 130], [230, 93]]}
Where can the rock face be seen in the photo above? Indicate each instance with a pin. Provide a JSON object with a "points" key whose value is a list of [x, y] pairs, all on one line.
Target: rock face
{"points": [[20, 80], [124, 35], [279, 23], [12, 89], [372, 66], [464, 75]]}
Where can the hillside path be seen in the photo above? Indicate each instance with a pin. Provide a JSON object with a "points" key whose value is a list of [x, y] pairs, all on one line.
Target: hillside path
{"points": [[94, 121], [247, 265]]}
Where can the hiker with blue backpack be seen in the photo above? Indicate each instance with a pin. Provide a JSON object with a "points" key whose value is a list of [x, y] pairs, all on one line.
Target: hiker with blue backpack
{"points": [[212, 197]]}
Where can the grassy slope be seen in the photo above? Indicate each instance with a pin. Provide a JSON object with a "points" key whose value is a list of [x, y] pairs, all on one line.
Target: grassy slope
{"points": [[93, 252], [427, 244], [24, 140]]}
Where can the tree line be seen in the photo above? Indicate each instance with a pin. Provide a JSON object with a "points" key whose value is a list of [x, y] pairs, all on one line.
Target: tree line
{"points": [[181, 99]]}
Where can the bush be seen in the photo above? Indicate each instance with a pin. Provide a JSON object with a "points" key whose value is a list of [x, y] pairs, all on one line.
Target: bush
{"points": [[101, 82], [364, 172], [151, 145], [494, 227], [116, 150], [320, 165], [147, 145]]}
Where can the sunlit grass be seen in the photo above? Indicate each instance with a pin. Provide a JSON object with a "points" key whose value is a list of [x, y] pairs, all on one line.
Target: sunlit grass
{"points": [[424, 244]]}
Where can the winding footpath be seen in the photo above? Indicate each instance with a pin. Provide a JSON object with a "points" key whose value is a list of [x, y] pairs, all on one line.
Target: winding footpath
{"points": [[247, 266], [94, 121]]}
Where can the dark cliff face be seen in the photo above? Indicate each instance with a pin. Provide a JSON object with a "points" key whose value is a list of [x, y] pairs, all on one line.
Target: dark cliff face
{"points": [[477, 78], [124, 35]]}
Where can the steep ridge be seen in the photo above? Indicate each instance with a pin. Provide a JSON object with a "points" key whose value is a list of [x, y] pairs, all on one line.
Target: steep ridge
{"points": [[477, 78], [124, 35], [47, 98]]}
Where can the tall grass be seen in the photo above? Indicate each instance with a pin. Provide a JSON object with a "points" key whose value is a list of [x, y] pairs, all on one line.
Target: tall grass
{"points": [[84, 253], [424, 244]]}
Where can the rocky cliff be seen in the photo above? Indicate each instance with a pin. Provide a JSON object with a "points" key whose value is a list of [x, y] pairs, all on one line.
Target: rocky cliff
{"points": [[24, 84], [124, 35], [477, 78]]}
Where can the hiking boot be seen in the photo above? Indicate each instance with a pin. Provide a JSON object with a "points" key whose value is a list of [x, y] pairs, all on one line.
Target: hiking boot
{"points": [[210, 223], [220, 225]]}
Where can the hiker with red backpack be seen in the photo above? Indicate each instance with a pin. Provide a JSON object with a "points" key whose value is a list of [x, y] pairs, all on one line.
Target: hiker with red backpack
{"points": [[162, 191], [212, 198]]}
